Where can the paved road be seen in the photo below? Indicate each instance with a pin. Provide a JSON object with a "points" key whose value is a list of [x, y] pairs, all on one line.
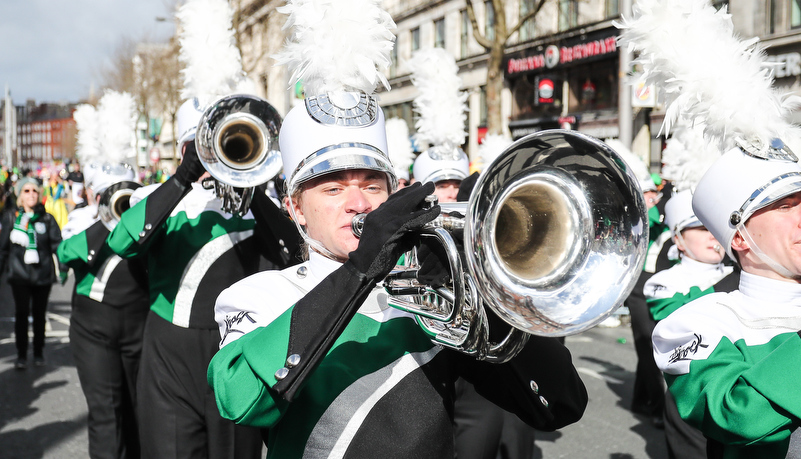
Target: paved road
{"points": [[43, 413], [42, 409]]}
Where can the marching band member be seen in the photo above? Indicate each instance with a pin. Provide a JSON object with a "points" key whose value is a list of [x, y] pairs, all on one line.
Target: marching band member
{"points": [[314, 353], [193, 251], [109, 307], [730, 358]]}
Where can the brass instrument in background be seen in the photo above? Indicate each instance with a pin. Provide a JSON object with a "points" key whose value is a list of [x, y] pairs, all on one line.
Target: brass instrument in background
{"points": [[114, 201], [237, 143], [555, 235]]}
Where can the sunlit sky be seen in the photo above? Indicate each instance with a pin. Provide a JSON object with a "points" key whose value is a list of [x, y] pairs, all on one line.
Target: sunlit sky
{"points": [[54, 50]]}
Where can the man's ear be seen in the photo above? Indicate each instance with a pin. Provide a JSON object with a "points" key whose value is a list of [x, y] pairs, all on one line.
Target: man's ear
{"points": [[678, 243], [295, 210], [738, 243]]}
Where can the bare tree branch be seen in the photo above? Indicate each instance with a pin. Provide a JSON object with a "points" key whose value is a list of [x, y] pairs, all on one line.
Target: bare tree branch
{"points": [[483, 41], [524, 19]]}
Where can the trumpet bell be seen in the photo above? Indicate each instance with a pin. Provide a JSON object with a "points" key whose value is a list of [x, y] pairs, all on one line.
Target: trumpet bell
{"points": [[114, 201], [237, 141], [558, 233]]}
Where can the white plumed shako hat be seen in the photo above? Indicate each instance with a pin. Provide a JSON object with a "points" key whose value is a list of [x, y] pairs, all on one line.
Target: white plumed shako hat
{"points": [[679, 213], [442, 107], [339, 52]]}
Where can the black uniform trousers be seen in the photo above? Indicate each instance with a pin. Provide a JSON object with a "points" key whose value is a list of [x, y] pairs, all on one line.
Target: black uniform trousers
{"points": [[106, 344], [178, 415], [29, 300], [485, 431], [683, 440], [649, 386]]}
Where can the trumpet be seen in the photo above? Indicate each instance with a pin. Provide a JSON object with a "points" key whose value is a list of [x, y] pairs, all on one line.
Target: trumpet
{"points": [[237, 143], [114, 201], [555, 235]]}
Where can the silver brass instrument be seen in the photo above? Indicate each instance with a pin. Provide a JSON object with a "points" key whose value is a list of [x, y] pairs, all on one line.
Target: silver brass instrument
{"points": [[555, 236], [237, 142], [114, 201]]}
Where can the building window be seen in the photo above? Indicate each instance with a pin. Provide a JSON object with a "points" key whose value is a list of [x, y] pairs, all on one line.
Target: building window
{"points": [[489, 21], [464, 38], [415, 38], [612, 8], [568, 14], [775, 16], [795, 14], [528, 30], [393, 64], [439, 33]]}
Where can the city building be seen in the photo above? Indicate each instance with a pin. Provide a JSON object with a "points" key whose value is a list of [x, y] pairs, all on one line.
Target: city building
{"points": [[778, 24], [45, 133]]}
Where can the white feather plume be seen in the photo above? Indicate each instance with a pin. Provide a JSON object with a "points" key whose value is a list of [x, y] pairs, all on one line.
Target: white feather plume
{"points": [[492, 146], [398, 143], [213, 63], [726, 86], [440, 103], [687, 156], [634, 162], [116, 114], [337, 45], [86, 122]]}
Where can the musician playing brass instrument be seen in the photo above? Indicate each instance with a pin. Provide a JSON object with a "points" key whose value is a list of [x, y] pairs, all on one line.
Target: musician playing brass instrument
{"points": [[384, 389], [314, 353]]}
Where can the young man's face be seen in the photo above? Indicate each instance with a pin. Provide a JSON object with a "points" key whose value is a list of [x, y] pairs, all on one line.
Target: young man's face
{"points": [[447, 190], [328, 204], [776, 230], [700, 245]]}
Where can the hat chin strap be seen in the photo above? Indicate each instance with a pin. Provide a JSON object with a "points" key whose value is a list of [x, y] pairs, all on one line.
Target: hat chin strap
{"points": [[778, 268], [314, 244], [686, 247]]}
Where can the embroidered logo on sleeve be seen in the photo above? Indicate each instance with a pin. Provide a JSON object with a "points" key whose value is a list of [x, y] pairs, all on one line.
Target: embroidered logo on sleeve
{"points": [[233, 323], [656, 288], [683, 352]]}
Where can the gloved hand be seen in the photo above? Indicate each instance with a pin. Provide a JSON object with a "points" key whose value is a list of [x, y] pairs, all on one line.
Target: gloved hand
{"points": [[386, 234], [434, 269], [190, 168]]}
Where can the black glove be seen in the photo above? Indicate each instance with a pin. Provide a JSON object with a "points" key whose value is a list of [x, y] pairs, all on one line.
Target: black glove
{"points": [[434, 269], [190, 168], [386, 233], [466, 187]]}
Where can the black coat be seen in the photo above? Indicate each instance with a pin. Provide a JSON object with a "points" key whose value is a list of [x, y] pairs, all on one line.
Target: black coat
{"points": [[12, 255]]}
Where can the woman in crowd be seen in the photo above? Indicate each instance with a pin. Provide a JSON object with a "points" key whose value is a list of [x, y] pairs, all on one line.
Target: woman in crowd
{"points": [[28, 240]]}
